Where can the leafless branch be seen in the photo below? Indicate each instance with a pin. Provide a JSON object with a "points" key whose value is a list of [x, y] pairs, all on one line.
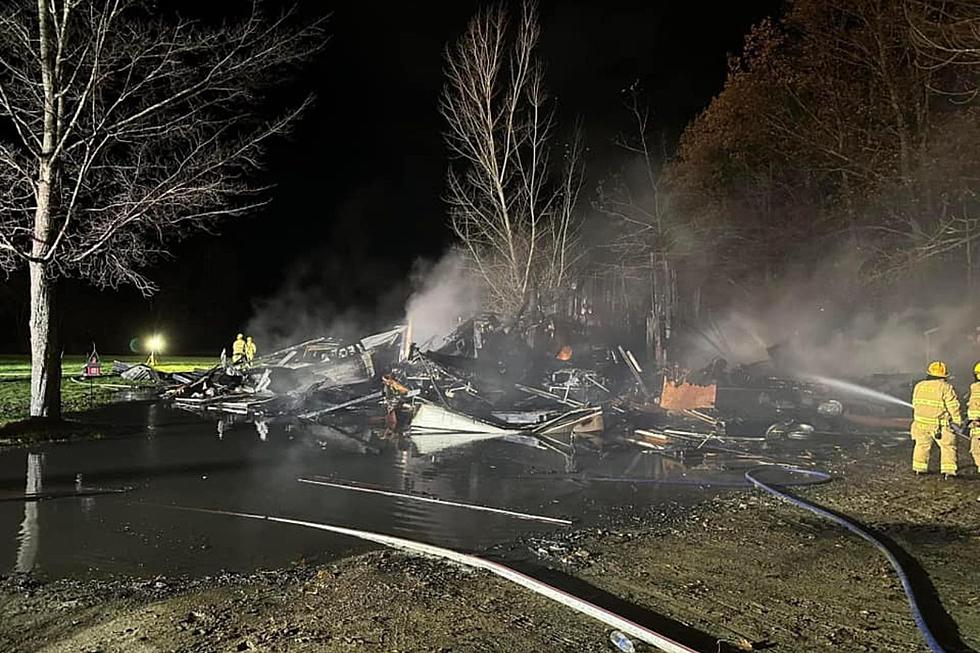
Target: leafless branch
{"points": [[512, 210], [121, 132]]}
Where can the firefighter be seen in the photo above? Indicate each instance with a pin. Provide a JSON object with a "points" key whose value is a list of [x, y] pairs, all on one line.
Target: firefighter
{"points": [[238, 349], [250, 349], [936, 410], [973, 416]]}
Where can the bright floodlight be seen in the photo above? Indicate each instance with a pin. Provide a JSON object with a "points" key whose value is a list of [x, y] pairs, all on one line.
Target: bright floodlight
{"points": [[155, 343]]}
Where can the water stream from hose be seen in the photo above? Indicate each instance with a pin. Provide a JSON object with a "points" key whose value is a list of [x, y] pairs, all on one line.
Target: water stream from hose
{"points": [[857, 390]]}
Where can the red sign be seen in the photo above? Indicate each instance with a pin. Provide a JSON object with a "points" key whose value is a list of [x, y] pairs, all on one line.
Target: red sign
{"points": [[93, 367]]}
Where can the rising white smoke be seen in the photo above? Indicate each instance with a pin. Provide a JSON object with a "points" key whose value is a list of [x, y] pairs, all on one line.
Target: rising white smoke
{"points": [[826, 322], [857, 345], [435, 296], [445, 294]]}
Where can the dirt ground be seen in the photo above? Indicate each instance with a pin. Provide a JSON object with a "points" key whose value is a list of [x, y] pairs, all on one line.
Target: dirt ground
{"points": [[750, 568], [743, 568]]}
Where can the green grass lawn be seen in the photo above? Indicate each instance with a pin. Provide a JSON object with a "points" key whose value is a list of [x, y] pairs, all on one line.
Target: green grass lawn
{"points": [[15, 384]]}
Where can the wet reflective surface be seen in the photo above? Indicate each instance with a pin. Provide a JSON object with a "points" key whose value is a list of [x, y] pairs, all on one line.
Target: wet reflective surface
{"points": [[175, 459]]}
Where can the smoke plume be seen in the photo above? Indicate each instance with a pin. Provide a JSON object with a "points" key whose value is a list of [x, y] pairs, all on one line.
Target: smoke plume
{"points": [[445, 294], [435, 296], [827, 322]]}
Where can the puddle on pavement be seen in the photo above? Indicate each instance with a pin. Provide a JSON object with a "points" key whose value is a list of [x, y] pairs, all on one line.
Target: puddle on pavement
{"points": [[177, 459]]}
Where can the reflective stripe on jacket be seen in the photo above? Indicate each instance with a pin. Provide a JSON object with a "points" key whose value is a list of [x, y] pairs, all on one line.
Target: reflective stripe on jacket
{"points": [[935, 404], [973, 405]]}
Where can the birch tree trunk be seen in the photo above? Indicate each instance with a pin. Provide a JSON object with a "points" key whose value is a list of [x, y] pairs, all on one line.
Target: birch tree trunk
{"points": [[45, 357], [45, 354]]}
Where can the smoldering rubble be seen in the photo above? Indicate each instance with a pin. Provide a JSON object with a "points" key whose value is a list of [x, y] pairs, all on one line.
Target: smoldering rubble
{"points": [[546, 383]]}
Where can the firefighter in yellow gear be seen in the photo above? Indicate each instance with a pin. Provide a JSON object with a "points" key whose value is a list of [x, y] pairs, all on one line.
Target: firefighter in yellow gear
{"points": [[973, 416], [250, 349], [935, 410], [238, 349]]}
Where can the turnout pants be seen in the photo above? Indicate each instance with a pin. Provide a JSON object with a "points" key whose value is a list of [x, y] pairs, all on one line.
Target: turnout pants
{"points": [[923, 436], [975, 445]]}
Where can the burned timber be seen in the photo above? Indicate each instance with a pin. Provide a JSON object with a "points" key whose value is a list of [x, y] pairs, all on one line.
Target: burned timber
{"points": [[487, 381]]}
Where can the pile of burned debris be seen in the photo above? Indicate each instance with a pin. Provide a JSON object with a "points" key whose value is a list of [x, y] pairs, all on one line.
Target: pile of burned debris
{"points": [[500, 386], [144, 374], [319, 375], [545, 387]]}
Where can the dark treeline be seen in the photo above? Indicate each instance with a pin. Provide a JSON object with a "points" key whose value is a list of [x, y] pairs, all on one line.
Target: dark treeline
{"points": [[848, 123], [841, 159]]}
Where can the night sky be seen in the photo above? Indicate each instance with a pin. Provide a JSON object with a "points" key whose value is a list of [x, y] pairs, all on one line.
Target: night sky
{"points": [[358, 184]]}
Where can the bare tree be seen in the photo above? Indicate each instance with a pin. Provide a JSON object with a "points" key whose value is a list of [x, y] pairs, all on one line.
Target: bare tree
{"points": [[943, 39], [946, 36], [121, 132], [511, 211], [639, 201], [651, 239]]}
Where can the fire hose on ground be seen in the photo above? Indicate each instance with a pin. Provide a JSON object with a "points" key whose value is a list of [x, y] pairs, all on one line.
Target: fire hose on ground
{"points": [[631, 628], [857, 529]]}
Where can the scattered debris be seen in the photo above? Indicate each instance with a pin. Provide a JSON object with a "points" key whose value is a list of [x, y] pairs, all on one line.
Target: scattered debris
{"points": [[622, 642], [542, 384], [140, 372]]}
